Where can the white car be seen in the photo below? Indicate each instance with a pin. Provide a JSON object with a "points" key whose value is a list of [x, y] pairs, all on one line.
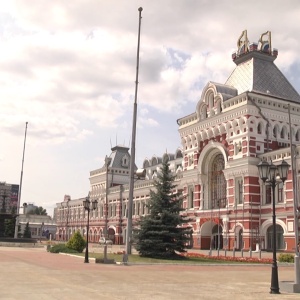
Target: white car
{"points": [[104, 241]]}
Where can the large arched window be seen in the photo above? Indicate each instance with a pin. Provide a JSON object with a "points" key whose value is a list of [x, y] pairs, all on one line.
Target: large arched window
{"points": [[280, 244], [217, 182]]}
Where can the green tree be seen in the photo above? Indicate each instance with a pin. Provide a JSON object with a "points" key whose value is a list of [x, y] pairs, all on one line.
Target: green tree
{"points": [[9, 227], [162, 233], [38, 211], [27, 232], [76, 242]]}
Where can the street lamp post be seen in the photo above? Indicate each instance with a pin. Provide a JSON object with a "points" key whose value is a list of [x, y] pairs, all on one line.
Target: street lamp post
{"points": [[272, 175], [87, 206]]}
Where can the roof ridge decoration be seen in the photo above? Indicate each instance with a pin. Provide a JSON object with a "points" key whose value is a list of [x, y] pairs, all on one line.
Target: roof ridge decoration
{"points": [[255, 70], [265, 45], [243, 43]]}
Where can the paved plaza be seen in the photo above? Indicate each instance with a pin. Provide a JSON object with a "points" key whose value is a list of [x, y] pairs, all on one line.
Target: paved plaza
{"points": [[35, 274]]}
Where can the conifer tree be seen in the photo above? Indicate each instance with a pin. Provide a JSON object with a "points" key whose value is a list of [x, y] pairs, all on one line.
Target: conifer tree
{"points": [[27, 232], [9, 227], [162, 233]]}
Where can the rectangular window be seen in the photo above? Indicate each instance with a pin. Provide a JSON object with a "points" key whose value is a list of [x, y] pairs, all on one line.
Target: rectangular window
{"points": [[239, 190], [280, 192], [124, 210], [34, 231], [190, 197], [268, 194]]}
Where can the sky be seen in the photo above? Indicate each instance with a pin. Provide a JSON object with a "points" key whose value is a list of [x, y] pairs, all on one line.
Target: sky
{"points": [[68, 68]]}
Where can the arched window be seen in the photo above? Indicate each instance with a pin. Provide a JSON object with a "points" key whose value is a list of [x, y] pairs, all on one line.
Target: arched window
{"points": [[146, 164], [217, 182], [154, 161], [280, 244], [259, 128], [217, 237], [275, 131], [219, 107], [283, 132], [298, 135], [211, 101], [203, 112]]}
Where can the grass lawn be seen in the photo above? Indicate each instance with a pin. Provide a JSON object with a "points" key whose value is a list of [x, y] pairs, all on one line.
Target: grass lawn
{"points": [[134, 258]]}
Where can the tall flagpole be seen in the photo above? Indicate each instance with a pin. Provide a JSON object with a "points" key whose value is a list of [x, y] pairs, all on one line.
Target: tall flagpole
{"points": [[20, 187], [295, 195], [132, 158]]}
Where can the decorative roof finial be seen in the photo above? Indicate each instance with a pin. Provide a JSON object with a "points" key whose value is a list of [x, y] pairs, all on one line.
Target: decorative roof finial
{"points": [[243, 43], [264, 42]]}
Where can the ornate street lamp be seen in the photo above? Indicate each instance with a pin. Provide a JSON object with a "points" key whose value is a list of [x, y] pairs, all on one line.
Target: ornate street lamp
{"points": [[87, 206], [272, 175]]}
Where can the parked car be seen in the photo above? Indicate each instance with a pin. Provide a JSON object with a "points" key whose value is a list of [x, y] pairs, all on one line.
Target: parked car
{"points": [[105, 241]]}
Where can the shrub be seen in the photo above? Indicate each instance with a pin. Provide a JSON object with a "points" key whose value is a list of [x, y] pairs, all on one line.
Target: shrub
{"points": [[286, 257], [60, 248], [105, 261], [77, 242]]}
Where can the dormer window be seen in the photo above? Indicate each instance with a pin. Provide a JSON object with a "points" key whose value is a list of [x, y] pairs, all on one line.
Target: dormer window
{"points": [[125, 161]]}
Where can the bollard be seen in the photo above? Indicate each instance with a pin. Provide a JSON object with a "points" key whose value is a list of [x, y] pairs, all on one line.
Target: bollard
{"points": [[105, 253], [125, 258]]}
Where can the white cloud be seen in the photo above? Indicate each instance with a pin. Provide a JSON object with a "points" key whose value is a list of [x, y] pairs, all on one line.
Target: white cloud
{"points": [[68, 68]]}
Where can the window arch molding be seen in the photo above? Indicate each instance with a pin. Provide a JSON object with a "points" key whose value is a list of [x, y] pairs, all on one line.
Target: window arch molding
{"points": [[207, 153], [269, 222]]}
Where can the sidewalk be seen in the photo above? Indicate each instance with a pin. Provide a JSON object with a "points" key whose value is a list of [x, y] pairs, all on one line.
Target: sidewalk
{"points": [[36, 274]]}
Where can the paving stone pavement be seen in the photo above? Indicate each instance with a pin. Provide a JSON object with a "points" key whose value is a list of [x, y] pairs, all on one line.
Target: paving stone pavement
{"points": [[35, 274]]}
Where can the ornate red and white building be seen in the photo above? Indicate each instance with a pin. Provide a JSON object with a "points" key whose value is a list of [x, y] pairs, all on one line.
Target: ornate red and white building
{"points": [[235, 125]]}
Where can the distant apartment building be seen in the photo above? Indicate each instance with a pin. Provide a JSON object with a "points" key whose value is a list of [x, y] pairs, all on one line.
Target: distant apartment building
{"points": [[8, 196]]}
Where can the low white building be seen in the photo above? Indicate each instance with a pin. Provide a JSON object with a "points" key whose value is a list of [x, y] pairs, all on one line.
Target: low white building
{"points": [[41, 227]]}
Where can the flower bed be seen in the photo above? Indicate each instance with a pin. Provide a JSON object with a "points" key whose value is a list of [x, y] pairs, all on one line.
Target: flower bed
{"points": [[231, 258]]}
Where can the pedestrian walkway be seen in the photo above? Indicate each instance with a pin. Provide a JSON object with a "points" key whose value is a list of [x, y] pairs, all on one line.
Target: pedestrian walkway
{"points": [[36, 274]]}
